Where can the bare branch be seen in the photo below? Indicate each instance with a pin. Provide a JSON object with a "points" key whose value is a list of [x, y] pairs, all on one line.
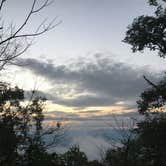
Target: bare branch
{"points": [[150, 82], [1, 4], [13, 42]]}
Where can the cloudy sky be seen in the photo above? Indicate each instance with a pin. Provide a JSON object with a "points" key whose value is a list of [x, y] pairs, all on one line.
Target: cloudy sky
{"points": [[82, 66]]}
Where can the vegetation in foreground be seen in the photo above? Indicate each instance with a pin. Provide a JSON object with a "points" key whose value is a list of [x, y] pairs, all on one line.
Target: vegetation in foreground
{"points": [[22, 136], [21, 126]]}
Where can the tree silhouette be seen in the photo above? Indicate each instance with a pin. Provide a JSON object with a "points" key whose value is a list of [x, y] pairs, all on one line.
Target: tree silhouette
{"points": [[22, 132], [149, 31], [14, 40], [74, 157], [151, 138], [148, 146], [153, 99]]}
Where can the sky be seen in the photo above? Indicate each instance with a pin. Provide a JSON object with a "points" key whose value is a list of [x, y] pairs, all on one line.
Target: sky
{"points": [[82, 66]]}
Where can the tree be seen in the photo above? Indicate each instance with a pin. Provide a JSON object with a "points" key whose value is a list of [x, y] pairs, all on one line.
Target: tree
{"points": [[148, 146], [149, 31], [151, 138], [21, 125], [128, 153], [95, 163], [153, 100], [9, 122], [14, 40], [74, 157], [22, 133]]}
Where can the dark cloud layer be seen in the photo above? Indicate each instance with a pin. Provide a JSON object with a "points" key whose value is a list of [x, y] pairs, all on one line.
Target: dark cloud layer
{"points": [[102, 82]]}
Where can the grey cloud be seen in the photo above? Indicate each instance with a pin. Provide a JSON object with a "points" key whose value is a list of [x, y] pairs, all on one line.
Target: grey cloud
{"points": [[106, 82], [60, 115], [86, 101], [90, 111], [81, 101]]}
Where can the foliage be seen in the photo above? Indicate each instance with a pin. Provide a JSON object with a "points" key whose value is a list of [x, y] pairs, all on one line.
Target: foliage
{"points": [[149, 31], [148, 148], [74, 157], [152, 139], [95, 163], [21, 126], [10, 122], [153, 99], [128, 154], [21, 138]]}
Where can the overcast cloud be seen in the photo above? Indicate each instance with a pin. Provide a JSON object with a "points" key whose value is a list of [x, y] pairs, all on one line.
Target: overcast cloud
{"points": [[85, 83], [101, 82]]}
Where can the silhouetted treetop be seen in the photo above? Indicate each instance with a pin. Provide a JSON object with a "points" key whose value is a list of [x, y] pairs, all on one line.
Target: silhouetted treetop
{"points": [[153, 99], [149, 31], [156, 2]]}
